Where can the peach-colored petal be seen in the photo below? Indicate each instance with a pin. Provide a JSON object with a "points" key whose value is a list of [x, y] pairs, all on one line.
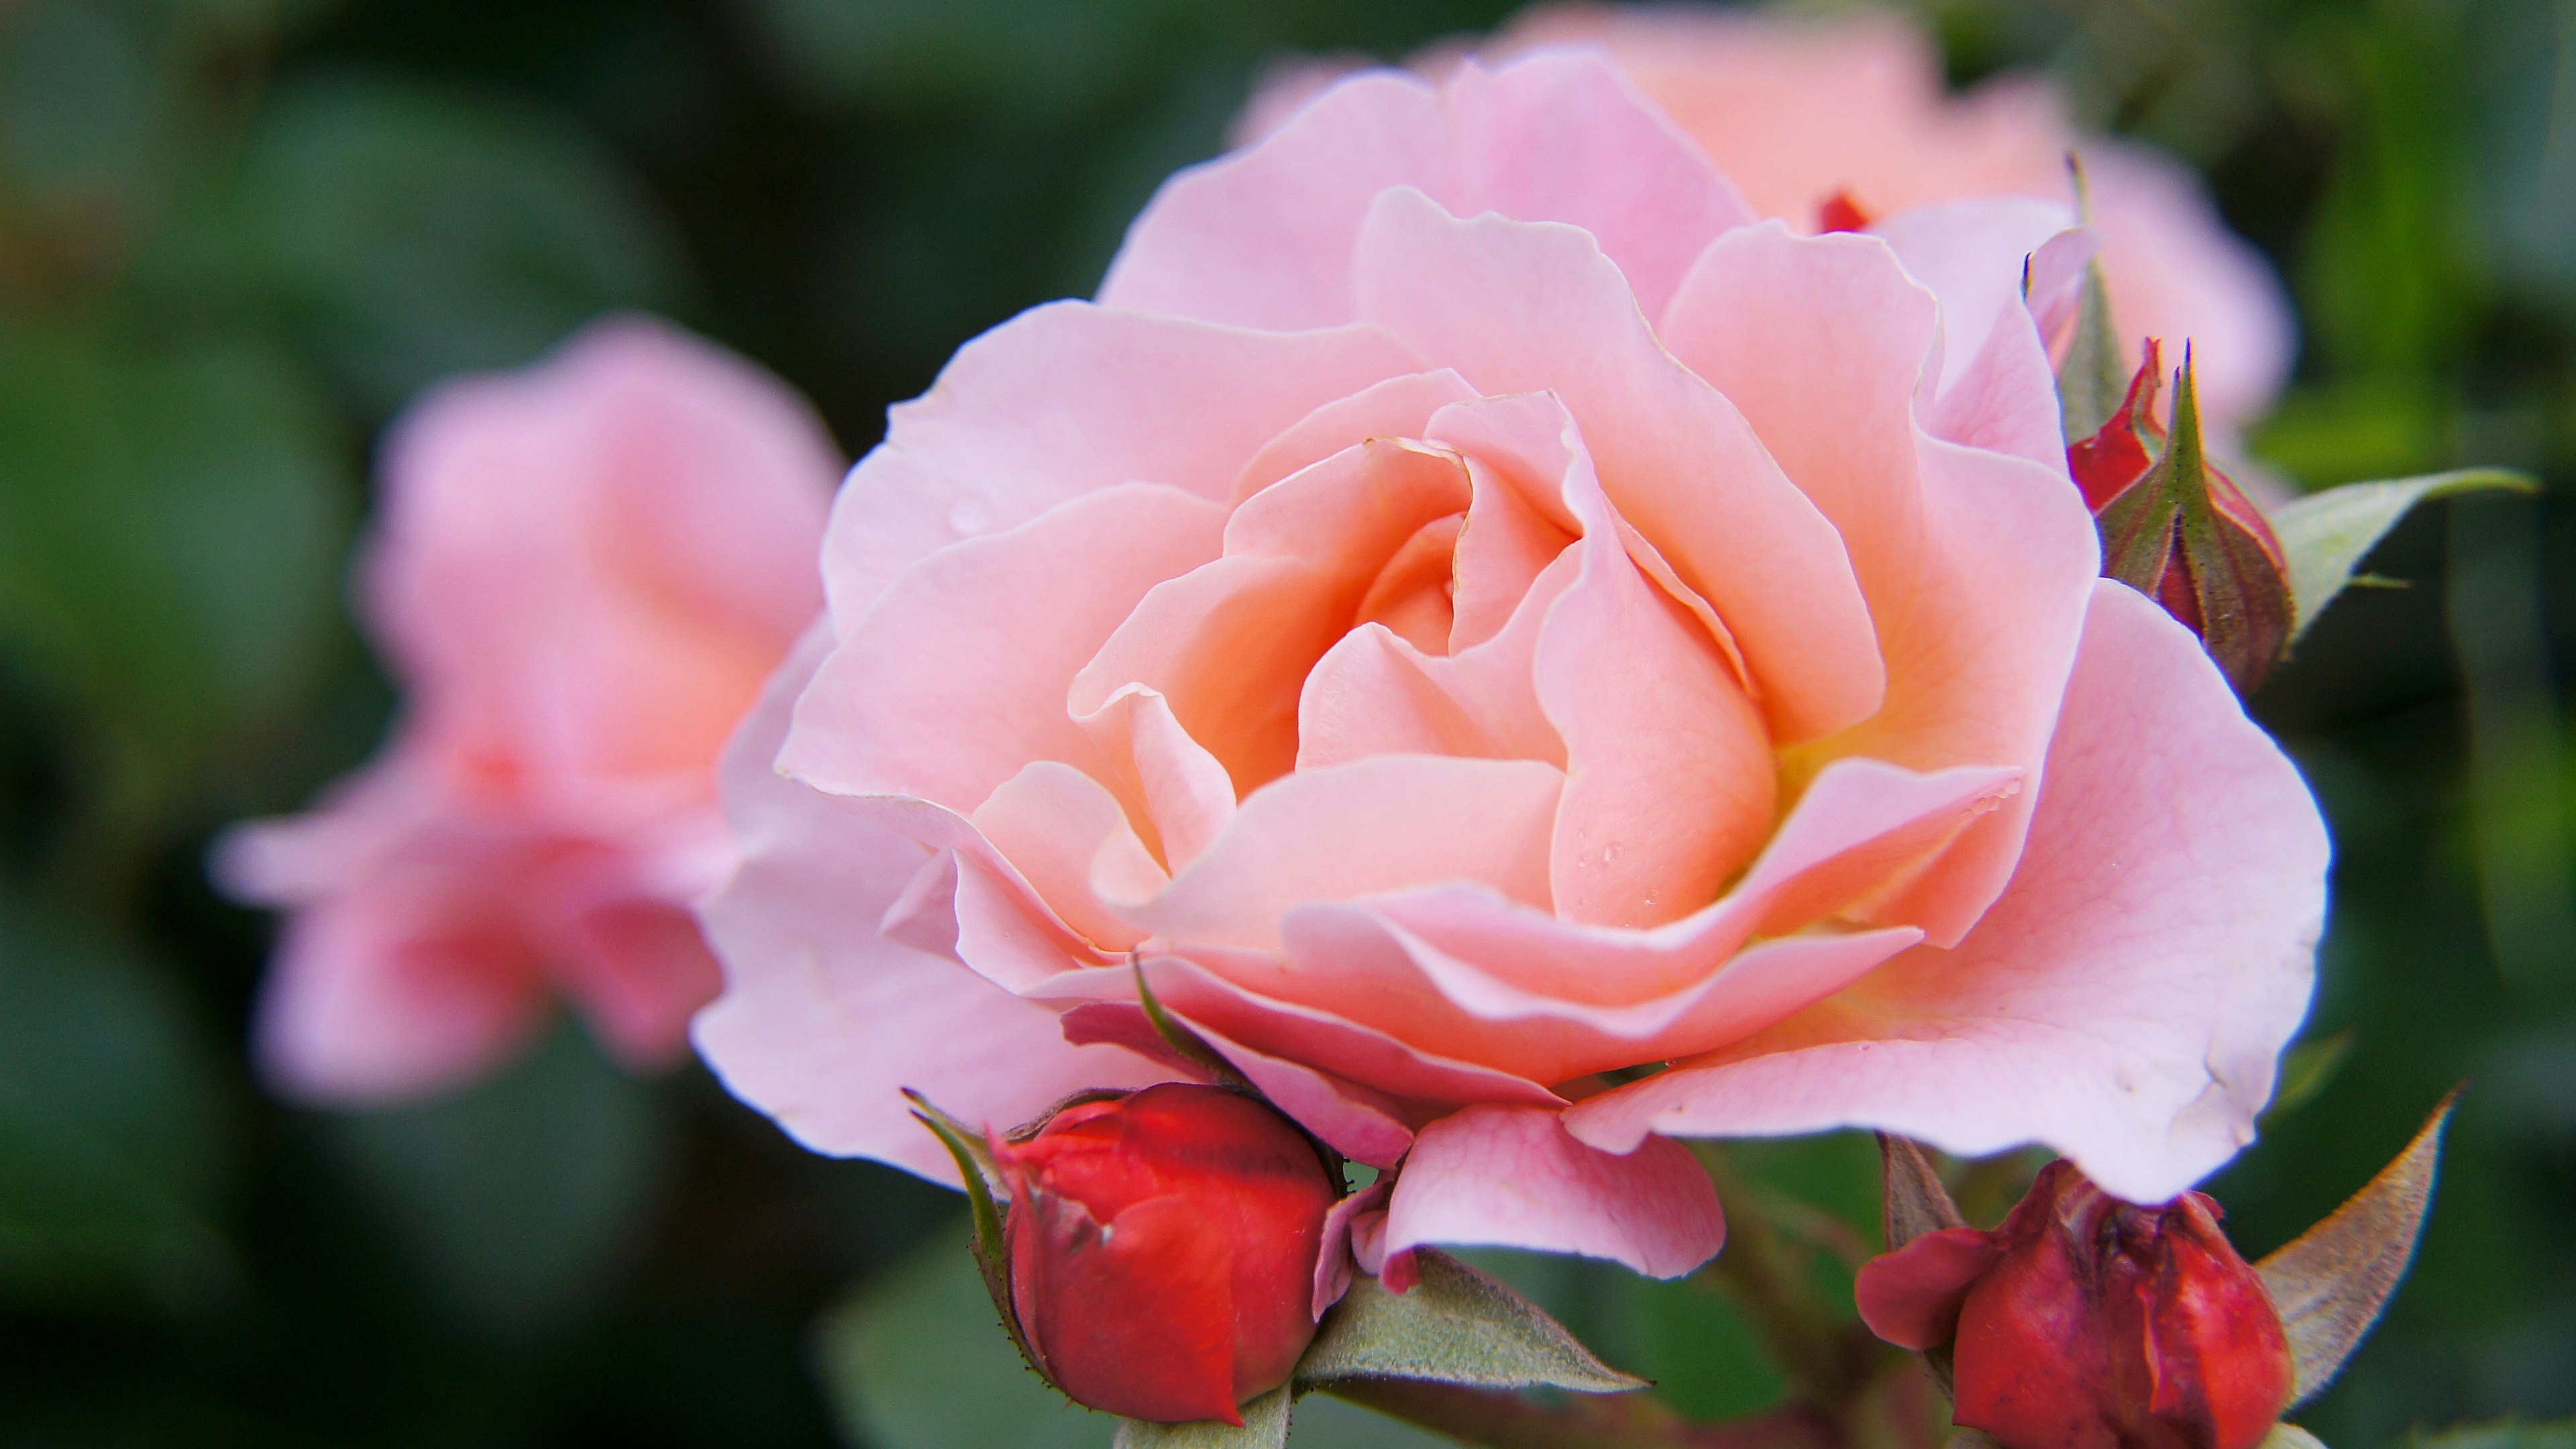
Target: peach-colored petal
{"points": [[823, 1019], [1527, 307], [1228, 644], [639, 971], [1069, 398], [1977, 565], [2127, 998], [1182, 792], [1399, 407], [1375, 825], [1063, 832], [1262, 238], [1509, 1176], [990, 631]]}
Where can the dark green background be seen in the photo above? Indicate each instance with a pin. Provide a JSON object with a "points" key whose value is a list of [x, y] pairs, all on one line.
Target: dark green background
{"points": [[236, 234]]}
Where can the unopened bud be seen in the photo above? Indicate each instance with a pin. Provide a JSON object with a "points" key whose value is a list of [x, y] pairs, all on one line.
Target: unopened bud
{"points": [[1162, 1250], [2178, 529], [2085, 1322]]}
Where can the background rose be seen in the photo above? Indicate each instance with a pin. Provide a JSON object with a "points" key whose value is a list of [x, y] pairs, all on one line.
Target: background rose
{"points": [[580, 575], [1796, 110], [1454, 688]]}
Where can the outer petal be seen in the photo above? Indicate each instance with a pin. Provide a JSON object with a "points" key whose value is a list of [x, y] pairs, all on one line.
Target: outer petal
{"points": [[991, 632], [1262, 238], [2127, 998], [1522, 307], [1509, 1176], [382, 995], [1069, 398], [823, 1019], [1911, 1297], [1976, 565]]}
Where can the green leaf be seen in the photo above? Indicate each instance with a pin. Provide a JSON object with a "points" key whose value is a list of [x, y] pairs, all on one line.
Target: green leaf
{"points": [[1456, 1326], [915, 1360], [171, 527], [521, 1193], [2332, 1281], [1265, 1426], [2328, 534], [985, 1192], [415, 233], [113, 1138]]}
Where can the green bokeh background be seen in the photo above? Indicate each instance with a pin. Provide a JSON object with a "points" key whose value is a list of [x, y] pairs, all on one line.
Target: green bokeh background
{"points": [[236, 234]]}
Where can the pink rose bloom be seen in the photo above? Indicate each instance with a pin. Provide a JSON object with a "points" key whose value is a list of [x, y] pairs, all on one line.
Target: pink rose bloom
{"points": [[1798, 111], [579, 576], [1532, 661]]}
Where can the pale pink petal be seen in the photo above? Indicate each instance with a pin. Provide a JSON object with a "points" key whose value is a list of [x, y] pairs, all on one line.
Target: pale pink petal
{"points": [[1262, 238], [1375, 825], [1356, 964], [640, 971], [2124, 1002], [1977, 565], [585, 569], [1509, 1176], [823, 1019], [1523, 307], [1859, 825], [384, 994], [1425, 1083], [1069, 398], [1335, 1264], [990, 631]]}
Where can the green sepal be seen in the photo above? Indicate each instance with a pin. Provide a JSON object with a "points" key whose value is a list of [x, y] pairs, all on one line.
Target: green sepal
{"points": [[985, 1194], [1265, 1426], [1192, 1047], [1916, 1202], [1455, 1326], [2095, 374], [2326, 535], [2332, 1281]]}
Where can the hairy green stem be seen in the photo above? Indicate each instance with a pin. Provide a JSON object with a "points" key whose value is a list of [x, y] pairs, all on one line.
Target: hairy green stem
{"points": [[1503, 1420]]}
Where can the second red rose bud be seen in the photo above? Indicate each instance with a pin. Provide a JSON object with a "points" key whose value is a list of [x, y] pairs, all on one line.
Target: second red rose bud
{"points": [[1162, 1250], [2085, 1322]]}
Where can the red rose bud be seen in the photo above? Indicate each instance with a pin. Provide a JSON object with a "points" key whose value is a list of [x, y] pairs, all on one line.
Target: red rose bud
{"points": [[1162, 1250], [2177, 529], [2085, 1322]]}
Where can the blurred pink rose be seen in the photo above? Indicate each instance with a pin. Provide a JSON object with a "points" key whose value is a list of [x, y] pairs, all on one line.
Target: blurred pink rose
{"points": [[1797, 111], [579, 576], [1476, 613]]}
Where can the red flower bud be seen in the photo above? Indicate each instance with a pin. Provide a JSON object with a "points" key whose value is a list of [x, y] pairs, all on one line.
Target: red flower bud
{"points": [[2177, 529], [2085, 1322], [1162, 1250]]}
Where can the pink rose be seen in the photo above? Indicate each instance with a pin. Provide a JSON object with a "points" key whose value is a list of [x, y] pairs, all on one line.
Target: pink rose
{"points": [[579, 576], [1480, 616], [1798, 111]]}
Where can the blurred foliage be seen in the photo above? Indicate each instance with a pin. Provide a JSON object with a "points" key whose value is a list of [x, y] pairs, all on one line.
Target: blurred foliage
{"points": [[236, 234]]}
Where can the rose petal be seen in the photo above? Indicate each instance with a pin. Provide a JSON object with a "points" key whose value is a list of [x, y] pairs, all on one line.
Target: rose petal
{"points": [[1509, 1176], [2124, 1002], [823, 1019], [1526, 307]]}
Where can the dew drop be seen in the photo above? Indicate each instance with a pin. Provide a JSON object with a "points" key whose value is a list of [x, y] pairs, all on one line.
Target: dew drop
{"points": [[970, 516]]}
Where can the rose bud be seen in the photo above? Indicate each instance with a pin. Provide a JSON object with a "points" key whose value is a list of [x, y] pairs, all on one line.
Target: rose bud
{"points": [[2085, 1322], [2177, 529], [1162, 1250]]}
